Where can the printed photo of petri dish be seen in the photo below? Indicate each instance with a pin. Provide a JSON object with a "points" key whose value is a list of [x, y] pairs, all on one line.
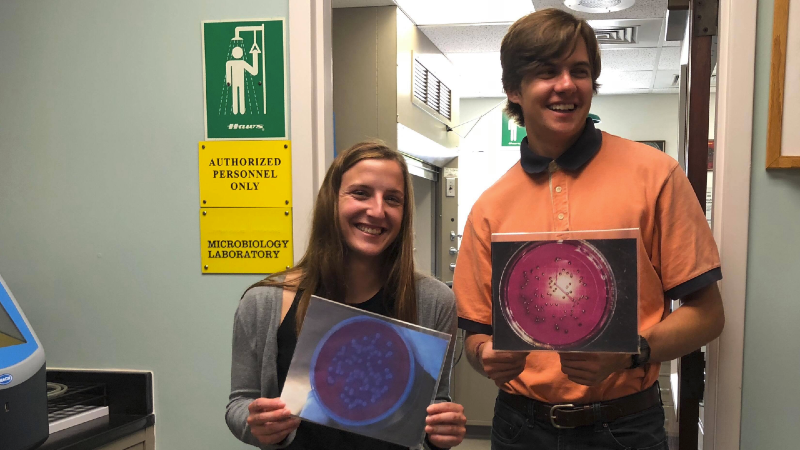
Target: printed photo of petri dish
{"points": [[557, 294], [365, 373]]}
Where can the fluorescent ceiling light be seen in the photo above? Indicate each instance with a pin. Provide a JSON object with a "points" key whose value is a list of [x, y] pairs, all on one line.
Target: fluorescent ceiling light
{"points": [[450, 12], [598, 6]]}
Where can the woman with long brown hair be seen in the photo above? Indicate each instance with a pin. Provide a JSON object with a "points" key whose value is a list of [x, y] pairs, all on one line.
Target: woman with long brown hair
{"points": [[360, 253]]}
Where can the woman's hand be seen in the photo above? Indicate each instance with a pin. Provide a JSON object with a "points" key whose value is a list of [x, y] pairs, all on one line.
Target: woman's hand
{"points": [[270, 422], [445, 424]]}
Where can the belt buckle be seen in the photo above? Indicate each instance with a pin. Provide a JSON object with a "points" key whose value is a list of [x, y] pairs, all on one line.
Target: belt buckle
{"points": [[553, 409]]}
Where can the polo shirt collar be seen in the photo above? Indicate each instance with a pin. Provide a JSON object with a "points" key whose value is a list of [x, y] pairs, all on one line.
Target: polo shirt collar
{"points": [[580, 153]]}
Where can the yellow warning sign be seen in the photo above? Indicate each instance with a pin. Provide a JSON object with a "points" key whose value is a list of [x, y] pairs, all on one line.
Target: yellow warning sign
{"points": [[246, 240], [245, 174]]}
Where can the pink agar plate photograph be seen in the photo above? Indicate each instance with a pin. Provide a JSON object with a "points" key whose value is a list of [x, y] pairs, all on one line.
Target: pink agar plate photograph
{"points": [[565, 292]]}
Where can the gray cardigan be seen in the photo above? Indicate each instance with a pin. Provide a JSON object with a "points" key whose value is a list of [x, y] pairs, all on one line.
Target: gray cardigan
{"points": [[255, 348]]}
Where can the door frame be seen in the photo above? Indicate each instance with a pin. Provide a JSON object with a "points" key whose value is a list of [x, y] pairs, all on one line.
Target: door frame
{"points": [[311, 109], [731, 217]]}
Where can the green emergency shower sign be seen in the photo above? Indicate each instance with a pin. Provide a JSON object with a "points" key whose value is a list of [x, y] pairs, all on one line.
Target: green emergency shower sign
{"points": [[511, 133], [244, 79]]}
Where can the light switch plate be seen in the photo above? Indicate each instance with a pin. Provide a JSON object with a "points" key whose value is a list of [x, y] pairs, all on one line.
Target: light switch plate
{"points": [[450, 187]]}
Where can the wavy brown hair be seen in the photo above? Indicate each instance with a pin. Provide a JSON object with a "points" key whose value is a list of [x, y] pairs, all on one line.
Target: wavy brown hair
{"points": [[540, 38], [321, 270]]}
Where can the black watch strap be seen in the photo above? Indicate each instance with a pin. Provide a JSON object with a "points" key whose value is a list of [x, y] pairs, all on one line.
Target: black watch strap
{"points": [[643, 357]]}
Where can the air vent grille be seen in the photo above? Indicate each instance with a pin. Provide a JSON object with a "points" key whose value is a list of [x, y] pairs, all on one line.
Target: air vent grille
{"points": [[431, 91], [616, 35]]}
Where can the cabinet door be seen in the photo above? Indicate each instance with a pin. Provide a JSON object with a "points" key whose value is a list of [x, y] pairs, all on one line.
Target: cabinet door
{"points": [[141, 440]]}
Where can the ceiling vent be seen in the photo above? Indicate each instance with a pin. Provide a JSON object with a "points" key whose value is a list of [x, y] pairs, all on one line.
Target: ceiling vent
{"points": [[430, 91], [616, 35], [598, 6]]}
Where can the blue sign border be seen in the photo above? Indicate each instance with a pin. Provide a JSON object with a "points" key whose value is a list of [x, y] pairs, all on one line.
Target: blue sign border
{"points": [[15, 354]]}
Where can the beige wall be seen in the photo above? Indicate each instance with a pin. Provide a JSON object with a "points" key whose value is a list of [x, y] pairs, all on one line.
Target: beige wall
{"points": [[364, 75], [373, 53], [644, 117]]}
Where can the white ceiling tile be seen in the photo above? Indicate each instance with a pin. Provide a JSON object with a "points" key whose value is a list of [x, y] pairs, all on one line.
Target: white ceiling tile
{"points": [[670, 58], [614, 81], [666, 79], [466, 38], [642, 9], [482, 62], [628, 59], [622, 91], [667, 91], [359, 3], [438, 12]]}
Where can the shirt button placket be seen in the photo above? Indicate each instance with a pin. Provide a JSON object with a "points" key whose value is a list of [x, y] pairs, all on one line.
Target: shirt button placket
{"points": [[561, 209]]}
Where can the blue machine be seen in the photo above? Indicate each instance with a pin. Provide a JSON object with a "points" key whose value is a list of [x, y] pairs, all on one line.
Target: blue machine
{"points": [[23, 383]]}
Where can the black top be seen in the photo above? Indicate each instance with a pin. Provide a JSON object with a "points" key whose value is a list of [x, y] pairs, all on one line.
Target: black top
{"points": [[287, 335], [311, 435]]}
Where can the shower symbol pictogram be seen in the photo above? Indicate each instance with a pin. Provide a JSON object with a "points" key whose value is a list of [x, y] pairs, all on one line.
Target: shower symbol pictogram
{"points": [[239, 89]]}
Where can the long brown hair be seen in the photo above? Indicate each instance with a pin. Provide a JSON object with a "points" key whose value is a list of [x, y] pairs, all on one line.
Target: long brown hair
{"points": [[321, 270], [540, 38]]}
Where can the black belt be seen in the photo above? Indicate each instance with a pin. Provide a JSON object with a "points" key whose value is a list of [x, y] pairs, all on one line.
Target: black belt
{"points": [[571, 416]]}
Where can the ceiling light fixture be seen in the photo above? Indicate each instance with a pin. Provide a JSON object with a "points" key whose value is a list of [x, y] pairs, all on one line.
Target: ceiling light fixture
{"points": [[598, 6]]}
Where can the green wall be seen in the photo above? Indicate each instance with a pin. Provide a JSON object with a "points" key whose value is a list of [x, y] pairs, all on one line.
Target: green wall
{"points": [[771, 390], [101, 109]]}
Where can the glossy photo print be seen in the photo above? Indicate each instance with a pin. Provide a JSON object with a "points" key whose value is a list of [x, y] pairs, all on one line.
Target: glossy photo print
{"points": [[364, 373], [565, 291]]}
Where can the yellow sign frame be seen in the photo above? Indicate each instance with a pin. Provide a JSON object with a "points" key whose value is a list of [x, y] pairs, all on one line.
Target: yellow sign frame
{"points": [[245, 174], [246, 240]]}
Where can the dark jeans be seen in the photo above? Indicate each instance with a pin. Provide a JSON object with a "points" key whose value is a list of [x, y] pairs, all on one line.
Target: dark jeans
{"points": [[512, 430]]}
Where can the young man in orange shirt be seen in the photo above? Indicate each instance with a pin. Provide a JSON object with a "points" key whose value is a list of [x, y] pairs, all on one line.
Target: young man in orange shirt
{"points": [[571, 177]]}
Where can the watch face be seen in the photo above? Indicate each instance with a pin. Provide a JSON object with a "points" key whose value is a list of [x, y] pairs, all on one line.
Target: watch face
{"points": [[362, 371], [557, 294]]}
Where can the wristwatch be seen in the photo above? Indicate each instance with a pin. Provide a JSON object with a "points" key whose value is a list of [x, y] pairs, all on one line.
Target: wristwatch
{"points": [[643, 357]]}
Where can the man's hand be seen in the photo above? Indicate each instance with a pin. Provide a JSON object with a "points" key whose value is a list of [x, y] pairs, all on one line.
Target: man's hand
{"points": [[591, 369], [501, 367], [270, 422], [445, 424]]}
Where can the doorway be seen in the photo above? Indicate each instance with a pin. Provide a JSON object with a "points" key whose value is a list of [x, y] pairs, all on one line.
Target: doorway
{"points": [[661, 83]]}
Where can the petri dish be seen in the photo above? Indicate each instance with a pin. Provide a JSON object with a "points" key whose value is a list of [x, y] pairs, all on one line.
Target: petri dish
{"points": [[362, 371], [557, 294]]}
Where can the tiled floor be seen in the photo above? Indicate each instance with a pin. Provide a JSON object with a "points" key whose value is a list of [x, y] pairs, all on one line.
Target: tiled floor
{"points": [[474, 444]]}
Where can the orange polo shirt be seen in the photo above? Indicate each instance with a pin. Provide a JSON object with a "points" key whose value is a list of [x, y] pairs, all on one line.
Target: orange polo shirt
{"points": [[603, 182]]}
